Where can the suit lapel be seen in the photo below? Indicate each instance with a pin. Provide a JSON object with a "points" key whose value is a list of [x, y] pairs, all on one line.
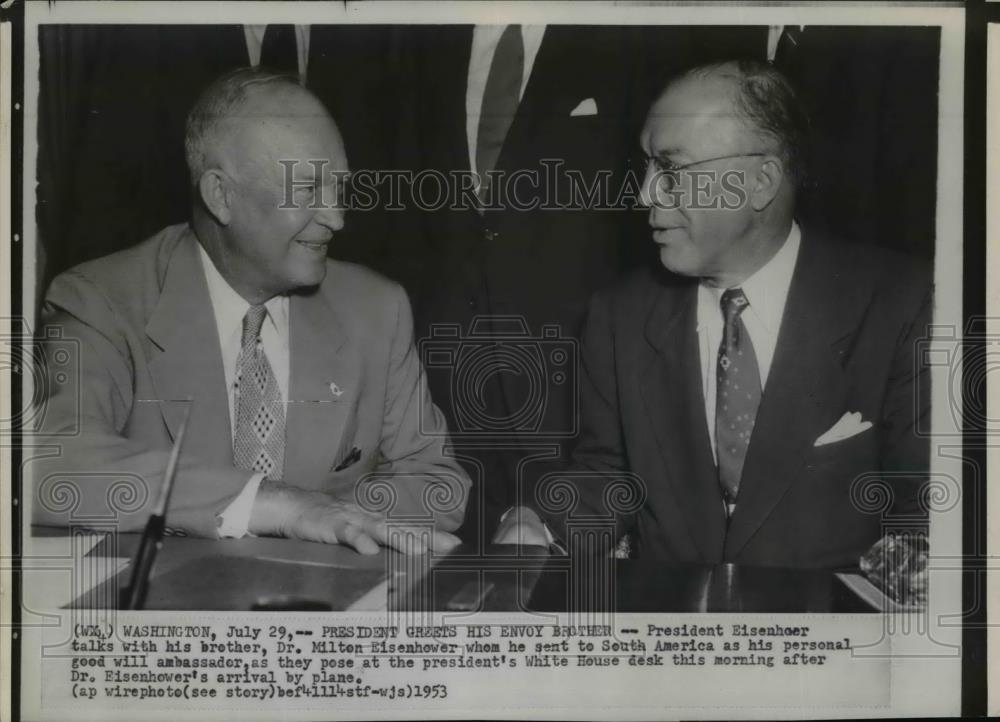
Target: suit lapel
{"points": [[807, 384], [675, 409], [548, 96], [536, 102], [188, 365], [189, 362], [444, 66], [324, 389]]}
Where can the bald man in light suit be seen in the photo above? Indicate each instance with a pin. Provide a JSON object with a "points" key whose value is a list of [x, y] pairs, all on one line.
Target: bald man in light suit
{"points": [[299, 371]]}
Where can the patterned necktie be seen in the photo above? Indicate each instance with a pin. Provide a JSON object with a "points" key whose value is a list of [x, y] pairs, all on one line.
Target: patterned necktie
{"points": [[279, 49], [259, 442], [738, 395], [500, 100]]}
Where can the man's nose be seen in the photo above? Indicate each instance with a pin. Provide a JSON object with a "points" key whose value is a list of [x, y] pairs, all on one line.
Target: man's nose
{"points": [[648, 190], [331, 217]]}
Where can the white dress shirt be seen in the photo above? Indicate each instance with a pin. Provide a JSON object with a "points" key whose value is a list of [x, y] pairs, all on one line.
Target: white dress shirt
{"points": [[767, 291], [229, 308], [254, 35], [773, 36], [484, 47]]}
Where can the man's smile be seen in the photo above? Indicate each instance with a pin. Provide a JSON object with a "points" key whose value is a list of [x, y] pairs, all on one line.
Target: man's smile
{"points": [[315, 245], [661, 233]]}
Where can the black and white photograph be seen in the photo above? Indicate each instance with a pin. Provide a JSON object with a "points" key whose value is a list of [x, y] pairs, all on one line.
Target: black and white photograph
{"points": [[377, 359]]}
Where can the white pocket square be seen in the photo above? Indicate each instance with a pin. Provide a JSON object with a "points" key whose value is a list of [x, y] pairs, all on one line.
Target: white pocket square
{"points": [[586, 107], [850, 424]]}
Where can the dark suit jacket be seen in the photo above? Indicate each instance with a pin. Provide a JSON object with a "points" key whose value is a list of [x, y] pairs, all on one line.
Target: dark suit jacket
{"points": [[847, 343], [872, 95], [539, 265], [141, 330]]}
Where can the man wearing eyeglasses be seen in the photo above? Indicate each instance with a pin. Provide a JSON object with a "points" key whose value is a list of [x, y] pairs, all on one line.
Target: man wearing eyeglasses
{"points": [[758, 387]]}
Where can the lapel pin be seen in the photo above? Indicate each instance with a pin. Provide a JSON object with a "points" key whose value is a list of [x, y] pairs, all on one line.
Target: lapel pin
{"points": [[336, 390]]}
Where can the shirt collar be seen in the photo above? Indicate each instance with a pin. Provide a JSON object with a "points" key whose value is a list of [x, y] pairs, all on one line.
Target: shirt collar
{"points": [[766, 290], [230, 307]]}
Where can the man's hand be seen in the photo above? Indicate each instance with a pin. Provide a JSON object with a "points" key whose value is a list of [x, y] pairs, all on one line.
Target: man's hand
{"points": [[284, 510], [521, 526]]}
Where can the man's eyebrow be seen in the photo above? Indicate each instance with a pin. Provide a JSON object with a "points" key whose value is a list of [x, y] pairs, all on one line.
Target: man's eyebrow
{"points": [[311, 179], [667, 153], [301, 173]]}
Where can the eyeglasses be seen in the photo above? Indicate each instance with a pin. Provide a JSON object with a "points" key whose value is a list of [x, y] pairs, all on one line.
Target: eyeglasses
{"points": [[668, 172]]}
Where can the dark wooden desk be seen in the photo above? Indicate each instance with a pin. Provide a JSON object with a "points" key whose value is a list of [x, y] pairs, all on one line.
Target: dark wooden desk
{"points": [[201, 574], [253, 573], [557, 584]]}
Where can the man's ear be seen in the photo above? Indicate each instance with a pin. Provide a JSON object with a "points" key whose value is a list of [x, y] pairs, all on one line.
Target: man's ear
{"points": [[216, 191], [767, 183]]}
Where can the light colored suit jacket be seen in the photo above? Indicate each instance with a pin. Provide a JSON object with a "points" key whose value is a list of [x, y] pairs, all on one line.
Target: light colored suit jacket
{"points": [[141, 326]]}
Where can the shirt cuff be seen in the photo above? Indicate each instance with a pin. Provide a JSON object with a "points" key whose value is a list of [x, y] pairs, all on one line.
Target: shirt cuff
{"points": [[550, 538], [234, 520]]}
